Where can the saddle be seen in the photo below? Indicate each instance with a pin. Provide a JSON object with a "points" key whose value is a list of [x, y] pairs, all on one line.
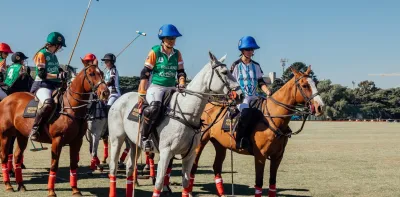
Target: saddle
{"points": [[134, 114], [34, 104]]}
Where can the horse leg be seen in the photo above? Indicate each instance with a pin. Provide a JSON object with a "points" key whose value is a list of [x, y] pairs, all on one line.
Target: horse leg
{"points": [[121, 164], [56, 148], [116, 143], [152, 168], [105, 155], [74, 148], [275, 162], [199, 149], [166, 189], [18, 155], [129, 169], [95, 137], [5, 144], [259, 162], [187, 179], [165, 158], [10, 156], [220, 154]]}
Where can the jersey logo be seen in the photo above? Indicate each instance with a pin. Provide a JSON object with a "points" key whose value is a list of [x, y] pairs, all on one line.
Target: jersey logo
{"points": [[160, 59]]}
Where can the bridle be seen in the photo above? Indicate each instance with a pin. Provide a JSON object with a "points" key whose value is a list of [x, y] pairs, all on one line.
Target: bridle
{"points": [[70, 92], [303, 111]]}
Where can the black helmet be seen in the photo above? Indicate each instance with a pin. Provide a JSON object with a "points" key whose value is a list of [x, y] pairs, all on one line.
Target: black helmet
{"points": [[18, 57], [109, 56]]}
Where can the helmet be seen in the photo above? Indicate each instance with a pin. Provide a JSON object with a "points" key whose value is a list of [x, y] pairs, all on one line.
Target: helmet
{"points": [[247, 42], [18, 57], [89, 57], [168, 30], [5, 48], [56, 38], [109, 56]]}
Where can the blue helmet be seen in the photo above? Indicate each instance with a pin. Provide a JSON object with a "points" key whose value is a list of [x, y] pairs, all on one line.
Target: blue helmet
{"points": [[168, 30], [247, 42]]}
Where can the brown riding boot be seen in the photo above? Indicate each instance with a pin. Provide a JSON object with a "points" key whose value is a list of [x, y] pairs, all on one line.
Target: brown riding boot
{"points": [[41, 115]]}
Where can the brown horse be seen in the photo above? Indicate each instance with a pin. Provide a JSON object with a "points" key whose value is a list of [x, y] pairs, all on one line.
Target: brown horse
{"points": [[68, 127], [270, 135]]}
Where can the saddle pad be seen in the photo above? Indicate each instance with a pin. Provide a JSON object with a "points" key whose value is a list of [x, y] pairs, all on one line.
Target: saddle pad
{"points": [[134, 114], [227, 121], [30, 109]]}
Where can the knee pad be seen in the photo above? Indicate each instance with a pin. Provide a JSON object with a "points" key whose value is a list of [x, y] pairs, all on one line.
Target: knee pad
{"points": [[153, 110]]}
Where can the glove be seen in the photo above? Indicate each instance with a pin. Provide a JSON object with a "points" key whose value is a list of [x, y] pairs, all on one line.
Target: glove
{"points": [[62, 75], [181, 87]]}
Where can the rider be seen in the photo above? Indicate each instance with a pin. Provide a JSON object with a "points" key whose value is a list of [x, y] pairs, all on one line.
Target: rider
{"points": [[4, 51], [90, 59], [49, 75], [163, 62], [17, 72], [111, 78], [250, 76]]}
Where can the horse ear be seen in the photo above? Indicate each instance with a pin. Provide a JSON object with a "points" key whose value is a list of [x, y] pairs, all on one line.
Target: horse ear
{"points": [[222, 58], [308, 70], [212, 56], [295, 72], [83, 62]]}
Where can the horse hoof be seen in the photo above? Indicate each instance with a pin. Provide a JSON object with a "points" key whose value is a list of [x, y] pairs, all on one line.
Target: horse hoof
{"points": [[10, 189], [23, 166], [77, 194], [22, 188], [52, 195], [190, 194]]}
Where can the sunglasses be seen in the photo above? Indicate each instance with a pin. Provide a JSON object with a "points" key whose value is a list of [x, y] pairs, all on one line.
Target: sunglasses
{"points": [[170, 38], [248, 49]]}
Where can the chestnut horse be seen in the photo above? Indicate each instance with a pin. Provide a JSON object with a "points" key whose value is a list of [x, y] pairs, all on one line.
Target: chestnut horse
{"points": [[69, 126], [270, 136]]}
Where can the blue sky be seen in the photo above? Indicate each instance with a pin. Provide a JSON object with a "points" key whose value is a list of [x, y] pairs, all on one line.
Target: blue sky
{"points": [[342, 40]]}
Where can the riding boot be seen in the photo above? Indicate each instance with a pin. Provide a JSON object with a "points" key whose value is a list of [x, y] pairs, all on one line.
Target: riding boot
{"points": [[40, 116], [150, 116], [241, 140]]}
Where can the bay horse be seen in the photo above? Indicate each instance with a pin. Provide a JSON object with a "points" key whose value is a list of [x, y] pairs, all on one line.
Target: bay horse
{"points": [[69, 125], [270, 134], [178, 129]]}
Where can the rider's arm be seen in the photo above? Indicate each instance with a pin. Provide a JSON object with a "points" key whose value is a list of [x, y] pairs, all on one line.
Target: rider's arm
{"points": [[146, 72], [261, 83], [111, 82], [181, 74], [40, 61]]}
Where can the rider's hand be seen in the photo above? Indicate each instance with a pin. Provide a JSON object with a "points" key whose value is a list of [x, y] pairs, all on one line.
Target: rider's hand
{"points": [[62, 75], [181, 87], [268, 92]]}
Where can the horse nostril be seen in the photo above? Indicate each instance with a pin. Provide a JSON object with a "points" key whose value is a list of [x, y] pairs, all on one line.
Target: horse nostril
{"points": [[319, 108]]}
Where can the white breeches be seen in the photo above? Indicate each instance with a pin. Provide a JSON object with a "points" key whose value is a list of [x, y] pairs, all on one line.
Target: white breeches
{"points": [[246, 102], [112, 99], [156, 92], [43, 94]]}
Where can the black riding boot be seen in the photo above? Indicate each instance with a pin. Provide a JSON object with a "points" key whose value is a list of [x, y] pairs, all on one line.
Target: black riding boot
{"points": [[242, 141], [41, 115], [150, 116]]}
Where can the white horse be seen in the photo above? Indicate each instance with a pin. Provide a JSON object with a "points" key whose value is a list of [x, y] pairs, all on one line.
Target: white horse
{"points": [[177, 132]]}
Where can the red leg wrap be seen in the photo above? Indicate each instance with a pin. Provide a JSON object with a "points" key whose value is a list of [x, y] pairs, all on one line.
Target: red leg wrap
{"points": [[272, 190], [147, 158], [152, 170], [73, 179], [124, 154], [156, 193], [258, 191], [219, 183], [93, 164], [10, 162], [113, 186], [52, 180], [105, 151], [18, 173], [129, 186], [6, 175]]}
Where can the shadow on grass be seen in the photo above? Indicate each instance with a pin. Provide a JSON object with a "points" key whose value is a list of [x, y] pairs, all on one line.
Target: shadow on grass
{"points": [[244, 190]]}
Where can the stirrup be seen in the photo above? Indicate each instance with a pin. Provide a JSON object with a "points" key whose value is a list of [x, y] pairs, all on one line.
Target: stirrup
{"points": [[150, 144]]}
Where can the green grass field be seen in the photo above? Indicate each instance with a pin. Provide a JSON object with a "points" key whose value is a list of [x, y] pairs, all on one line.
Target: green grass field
{"points": [[326, 159]]}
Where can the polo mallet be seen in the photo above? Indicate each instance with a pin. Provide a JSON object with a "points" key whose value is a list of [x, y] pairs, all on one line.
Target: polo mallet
{"points": [[136, 150], [230, 145], [139, 34], [79, 34]]}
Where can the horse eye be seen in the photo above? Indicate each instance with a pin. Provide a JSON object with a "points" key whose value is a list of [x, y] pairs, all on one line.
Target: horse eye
{"points": [[305, 86], [92, 74], [224, 72]]}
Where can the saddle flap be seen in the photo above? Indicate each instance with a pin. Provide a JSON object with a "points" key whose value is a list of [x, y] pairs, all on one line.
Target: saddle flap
{"points": [[226, 124], [31, 108]]}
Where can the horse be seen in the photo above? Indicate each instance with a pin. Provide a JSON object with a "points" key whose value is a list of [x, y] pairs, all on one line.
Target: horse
{"points": [[177, 129], [270, 132], [66, 125], [97, 129]]}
